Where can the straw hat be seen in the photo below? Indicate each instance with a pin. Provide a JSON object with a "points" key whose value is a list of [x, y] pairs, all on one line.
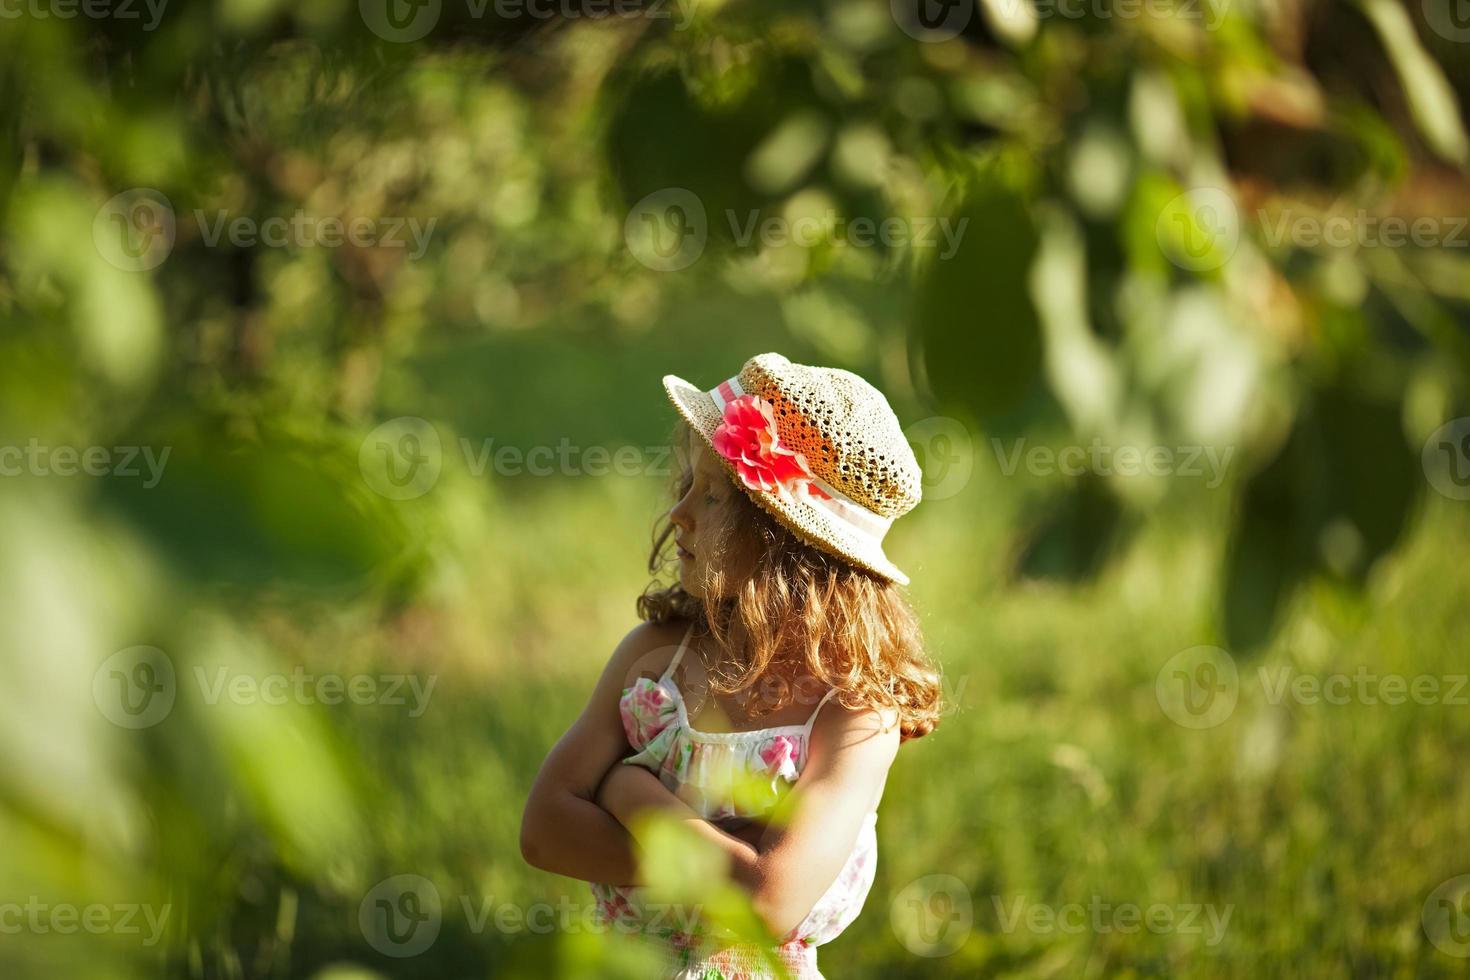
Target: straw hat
{"points": [[817, 448]]}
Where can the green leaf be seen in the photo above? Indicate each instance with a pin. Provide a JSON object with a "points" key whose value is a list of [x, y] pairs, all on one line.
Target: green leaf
{"points": [[1073, 541], [737, 155], [980, 332], [1375, 476], [1269, 549], [1431, 99], [1336, 498]]}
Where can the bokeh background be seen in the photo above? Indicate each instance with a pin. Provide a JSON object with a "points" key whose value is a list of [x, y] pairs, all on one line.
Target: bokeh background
{"points": [[1189, 385]]}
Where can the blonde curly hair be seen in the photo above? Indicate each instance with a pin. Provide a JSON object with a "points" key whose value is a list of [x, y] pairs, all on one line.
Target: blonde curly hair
{"points": [[779, 609]]}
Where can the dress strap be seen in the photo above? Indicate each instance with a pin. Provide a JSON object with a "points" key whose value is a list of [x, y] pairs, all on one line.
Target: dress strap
{"points": [[678, 654], [820, 704]]}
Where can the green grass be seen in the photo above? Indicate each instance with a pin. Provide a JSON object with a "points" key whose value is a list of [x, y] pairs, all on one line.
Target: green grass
{"points": [[1055, 778], [1056, 782]]}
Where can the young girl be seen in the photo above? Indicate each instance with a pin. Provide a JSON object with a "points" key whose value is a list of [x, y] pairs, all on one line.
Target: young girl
{"points": [[712, 710]]}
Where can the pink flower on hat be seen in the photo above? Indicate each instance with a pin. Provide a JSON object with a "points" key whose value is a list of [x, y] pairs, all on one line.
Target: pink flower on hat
{"points": [[747, 437]]}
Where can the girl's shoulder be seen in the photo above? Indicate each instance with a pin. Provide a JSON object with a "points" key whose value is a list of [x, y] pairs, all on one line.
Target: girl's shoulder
{"points": [[649, 648], [840, 724]]}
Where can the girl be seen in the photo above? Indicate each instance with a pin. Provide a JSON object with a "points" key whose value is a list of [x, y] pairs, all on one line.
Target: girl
{"points": [[712, 709]]}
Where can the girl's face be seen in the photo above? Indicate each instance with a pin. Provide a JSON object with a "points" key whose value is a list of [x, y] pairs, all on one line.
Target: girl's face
{"points": [[699, 518]]}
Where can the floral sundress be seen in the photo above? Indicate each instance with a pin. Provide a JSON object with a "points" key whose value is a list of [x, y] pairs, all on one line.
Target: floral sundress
{"points": [[722, 775]]}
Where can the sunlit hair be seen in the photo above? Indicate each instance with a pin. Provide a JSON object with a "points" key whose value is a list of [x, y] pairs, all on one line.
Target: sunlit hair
{"points": [[779, 609]]}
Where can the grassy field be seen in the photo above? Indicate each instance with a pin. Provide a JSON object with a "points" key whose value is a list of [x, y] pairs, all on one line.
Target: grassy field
{"points": [[1292, 839], [1071, 817]]}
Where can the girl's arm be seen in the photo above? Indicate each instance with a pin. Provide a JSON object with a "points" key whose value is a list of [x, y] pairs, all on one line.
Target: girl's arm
{"points": [[628, 790], [816, 826], [563, 830]]}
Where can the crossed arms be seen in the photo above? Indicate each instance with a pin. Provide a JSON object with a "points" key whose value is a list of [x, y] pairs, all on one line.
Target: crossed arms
{"points": [[584, 799]]}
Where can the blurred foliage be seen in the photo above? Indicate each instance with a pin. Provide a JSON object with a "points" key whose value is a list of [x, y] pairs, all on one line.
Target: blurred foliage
{"points": [[1092, 296]]}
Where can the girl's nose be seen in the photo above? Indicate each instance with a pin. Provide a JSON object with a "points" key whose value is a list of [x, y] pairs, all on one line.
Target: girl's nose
{"points": [[680, 515]]}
